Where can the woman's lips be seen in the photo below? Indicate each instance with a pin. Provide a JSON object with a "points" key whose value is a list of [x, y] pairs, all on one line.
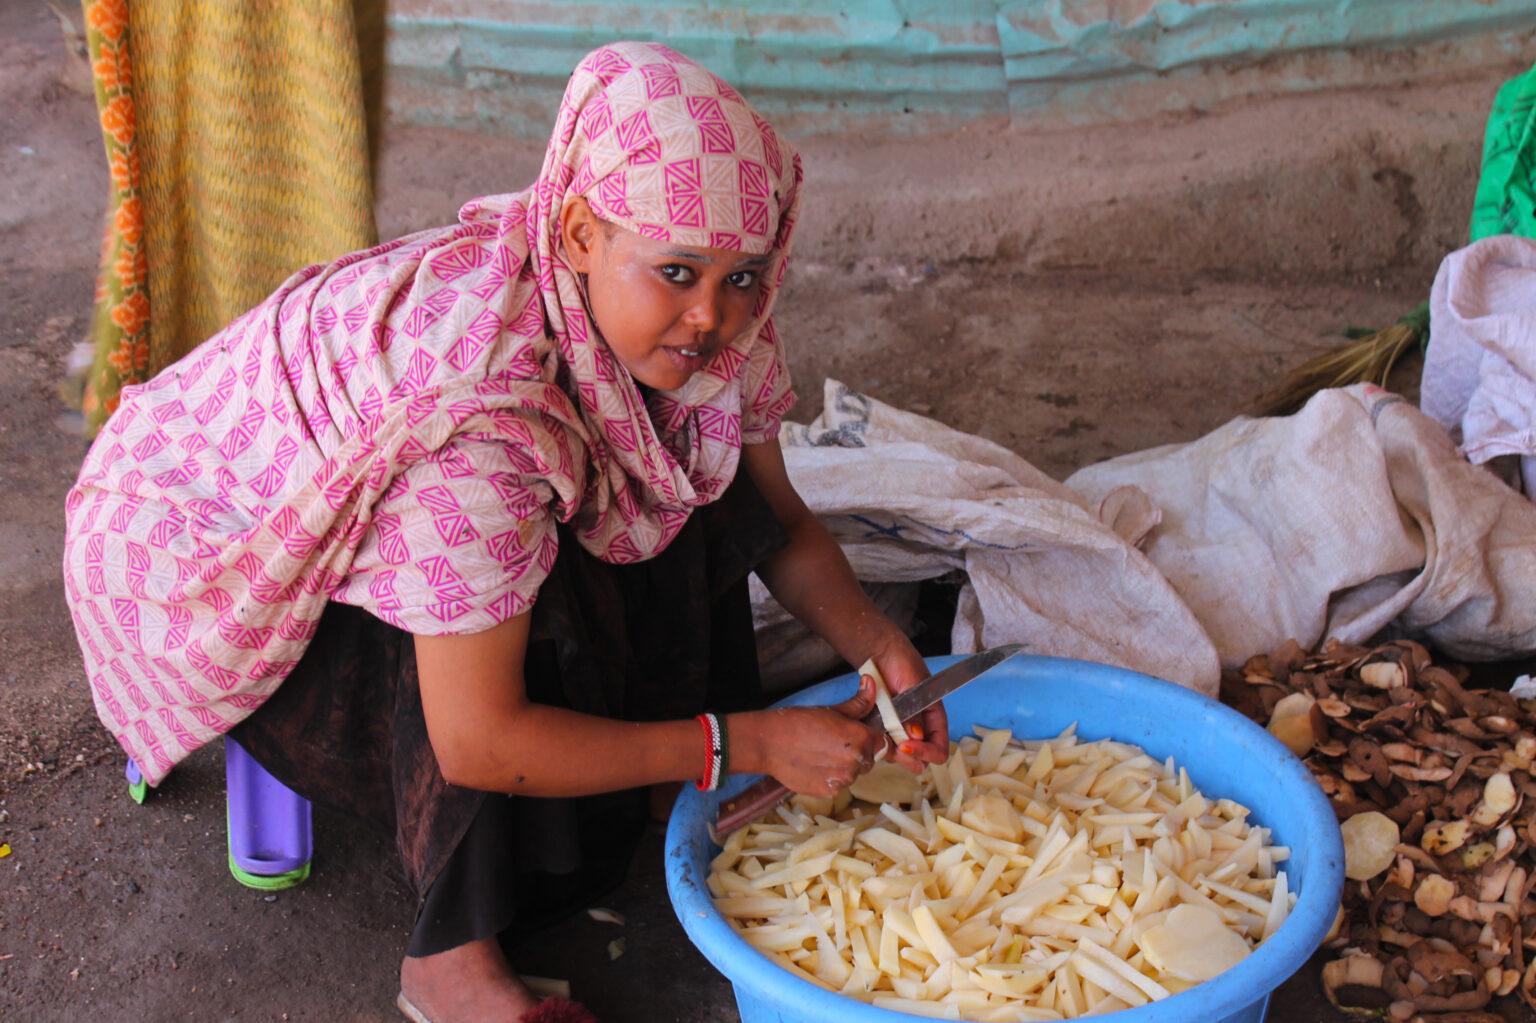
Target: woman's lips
{"points": [[687, 363]]}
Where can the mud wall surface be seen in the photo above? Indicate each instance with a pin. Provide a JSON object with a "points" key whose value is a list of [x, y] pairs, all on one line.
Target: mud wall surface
{"points": [[920, 64]]}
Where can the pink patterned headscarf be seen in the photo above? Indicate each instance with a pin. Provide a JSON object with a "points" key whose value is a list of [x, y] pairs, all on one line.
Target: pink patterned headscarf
{"points": [[660, 146], [401, 429]]}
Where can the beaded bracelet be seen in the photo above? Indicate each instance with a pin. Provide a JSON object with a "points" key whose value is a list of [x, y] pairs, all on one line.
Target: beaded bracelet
{"points": [[717, 752]]}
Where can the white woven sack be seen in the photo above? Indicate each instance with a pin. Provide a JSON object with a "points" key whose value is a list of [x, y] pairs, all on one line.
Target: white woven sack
{"points": [[910, 499]]}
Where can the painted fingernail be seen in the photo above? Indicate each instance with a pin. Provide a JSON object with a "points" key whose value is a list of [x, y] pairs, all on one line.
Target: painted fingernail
{"points": [[916, 732], [906, 748]]}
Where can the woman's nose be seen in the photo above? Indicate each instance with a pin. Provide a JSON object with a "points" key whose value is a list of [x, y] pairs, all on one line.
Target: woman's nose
{"points": [[704, 315]]}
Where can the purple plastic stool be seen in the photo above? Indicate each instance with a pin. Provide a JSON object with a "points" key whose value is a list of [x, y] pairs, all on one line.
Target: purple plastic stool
{"points": [[138, 788], [271, 830]]}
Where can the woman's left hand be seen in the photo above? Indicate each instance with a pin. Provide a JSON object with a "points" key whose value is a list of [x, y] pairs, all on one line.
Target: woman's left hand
{"points": [[928, 735]]}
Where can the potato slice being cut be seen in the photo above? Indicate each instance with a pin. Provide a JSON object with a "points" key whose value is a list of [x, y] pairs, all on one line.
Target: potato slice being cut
{"points": [[1193, 944], [888, 716]]}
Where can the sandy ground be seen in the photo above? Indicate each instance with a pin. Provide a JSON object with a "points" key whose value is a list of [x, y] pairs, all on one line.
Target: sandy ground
{"points": [[1092, 293]]}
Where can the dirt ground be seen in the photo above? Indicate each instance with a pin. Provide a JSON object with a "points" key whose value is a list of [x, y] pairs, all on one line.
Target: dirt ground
{"points": [[1080, 322]]}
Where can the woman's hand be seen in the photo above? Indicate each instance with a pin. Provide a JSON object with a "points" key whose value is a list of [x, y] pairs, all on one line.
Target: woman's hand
{"points": [[902, 667], [816, 751]]}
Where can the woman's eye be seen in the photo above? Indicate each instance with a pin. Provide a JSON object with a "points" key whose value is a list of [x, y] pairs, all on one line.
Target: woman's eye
{"points": [[743, 278], [677, 273]]}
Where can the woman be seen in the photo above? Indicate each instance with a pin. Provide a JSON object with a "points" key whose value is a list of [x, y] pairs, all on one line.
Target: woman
{"points": [[463, 514]]}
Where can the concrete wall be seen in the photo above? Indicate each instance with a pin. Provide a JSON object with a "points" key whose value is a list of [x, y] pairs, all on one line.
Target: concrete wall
{"points": [[922, 64]]}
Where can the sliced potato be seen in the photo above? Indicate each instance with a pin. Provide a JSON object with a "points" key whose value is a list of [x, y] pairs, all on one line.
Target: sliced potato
{"points": [[1043, 879], [1192, 943], [887, 783], [994, 815], [816, 806]]}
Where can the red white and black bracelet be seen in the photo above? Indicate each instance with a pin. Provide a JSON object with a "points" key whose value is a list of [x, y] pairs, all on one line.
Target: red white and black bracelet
{"points": [[717, 751]]}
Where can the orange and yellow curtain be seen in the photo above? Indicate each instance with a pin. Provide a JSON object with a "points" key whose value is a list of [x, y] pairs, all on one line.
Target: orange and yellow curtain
{"points": [[238, 137], [120, 327]]}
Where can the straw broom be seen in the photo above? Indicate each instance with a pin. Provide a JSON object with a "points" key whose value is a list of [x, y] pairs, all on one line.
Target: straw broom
{"points": [[1368, 358]]}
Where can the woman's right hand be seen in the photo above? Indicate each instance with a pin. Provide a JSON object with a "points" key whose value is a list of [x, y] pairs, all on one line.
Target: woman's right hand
{"points": [[815, 751]]}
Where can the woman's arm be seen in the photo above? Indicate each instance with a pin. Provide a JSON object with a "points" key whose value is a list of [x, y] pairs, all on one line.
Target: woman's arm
{"points": [[487, 735], [813, 580]]}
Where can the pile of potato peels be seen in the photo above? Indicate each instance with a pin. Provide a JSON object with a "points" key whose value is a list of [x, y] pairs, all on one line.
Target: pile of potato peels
{"points": [[1432, 784]]}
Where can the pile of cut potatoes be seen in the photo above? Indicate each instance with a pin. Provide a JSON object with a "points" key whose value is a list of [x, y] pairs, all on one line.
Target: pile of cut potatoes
{"points": [[1034, 880]]}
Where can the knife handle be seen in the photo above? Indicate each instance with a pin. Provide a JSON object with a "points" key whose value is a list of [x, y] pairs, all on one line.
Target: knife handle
{"points": [[753, 801], [760, 797]]}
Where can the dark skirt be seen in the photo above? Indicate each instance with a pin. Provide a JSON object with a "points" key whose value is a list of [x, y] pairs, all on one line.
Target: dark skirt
{"points": [[658, 640]]}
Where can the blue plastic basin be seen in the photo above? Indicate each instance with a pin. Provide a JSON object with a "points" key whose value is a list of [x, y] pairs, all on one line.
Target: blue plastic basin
{"points": [[1227, 756]]}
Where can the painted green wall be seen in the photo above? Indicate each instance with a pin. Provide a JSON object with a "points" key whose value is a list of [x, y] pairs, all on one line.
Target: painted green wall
{"points": [[837, 64]]}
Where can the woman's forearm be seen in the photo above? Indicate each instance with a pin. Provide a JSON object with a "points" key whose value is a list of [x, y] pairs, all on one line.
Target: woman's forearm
{"points": [[813, 581], [810, 576], [536, 750], [550, 752], [488, 735]]}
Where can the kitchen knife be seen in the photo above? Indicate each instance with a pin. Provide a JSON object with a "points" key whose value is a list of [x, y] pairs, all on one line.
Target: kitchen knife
{"points": [[759, 798]]}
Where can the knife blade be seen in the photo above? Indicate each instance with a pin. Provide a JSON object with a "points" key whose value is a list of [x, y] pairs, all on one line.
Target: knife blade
{"points": [[759, 798], [911, 702]]}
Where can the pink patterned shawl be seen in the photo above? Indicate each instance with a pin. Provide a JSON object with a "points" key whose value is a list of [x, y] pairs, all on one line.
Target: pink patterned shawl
{"points": [[401, 429]]}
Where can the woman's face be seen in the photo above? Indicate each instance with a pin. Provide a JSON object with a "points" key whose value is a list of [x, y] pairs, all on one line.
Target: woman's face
{"points": [[664, 309]]}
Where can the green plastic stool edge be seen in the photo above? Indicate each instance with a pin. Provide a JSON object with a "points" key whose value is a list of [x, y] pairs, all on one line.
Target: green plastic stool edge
{"points": [[261, 882], [268, 882]]}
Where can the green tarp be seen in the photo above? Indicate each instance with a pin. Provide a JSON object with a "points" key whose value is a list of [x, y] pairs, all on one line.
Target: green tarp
{"points": [[1506, 189]]}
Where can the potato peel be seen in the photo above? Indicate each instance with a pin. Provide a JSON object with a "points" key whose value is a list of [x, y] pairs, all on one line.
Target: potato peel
{"points": [[1370, 844], [1430, 777]]}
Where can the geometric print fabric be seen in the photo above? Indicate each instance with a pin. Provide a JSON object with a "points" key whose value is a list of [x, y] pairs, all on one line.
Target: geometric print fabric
{"points": [[401, 429]]}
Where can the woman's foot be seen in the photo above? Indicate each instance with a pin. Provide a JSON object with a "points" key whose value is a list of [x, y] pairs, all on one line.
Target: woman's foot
{"points": [[472, 983]]}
